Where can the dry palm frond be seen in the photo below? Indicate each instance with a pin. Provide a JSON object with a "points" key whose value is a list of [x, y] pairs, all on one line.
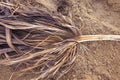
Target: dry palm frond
{"points": [[44, 42]]}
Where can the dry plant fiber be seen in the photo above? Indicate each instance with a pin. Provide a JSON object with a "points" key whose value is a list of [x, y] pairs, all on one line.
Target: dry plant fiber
{"points": [[39, 41]]}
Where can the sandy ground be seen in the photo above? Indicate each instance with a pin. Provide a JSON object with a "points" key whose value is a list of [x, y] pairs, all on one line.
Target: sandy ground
{"points": [[101, 61], [97, 60]]}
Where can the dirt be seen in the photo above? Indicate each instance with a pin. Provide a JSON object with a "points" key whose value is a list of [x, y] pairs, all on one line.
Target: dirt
{"points": [[97, 60]]}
